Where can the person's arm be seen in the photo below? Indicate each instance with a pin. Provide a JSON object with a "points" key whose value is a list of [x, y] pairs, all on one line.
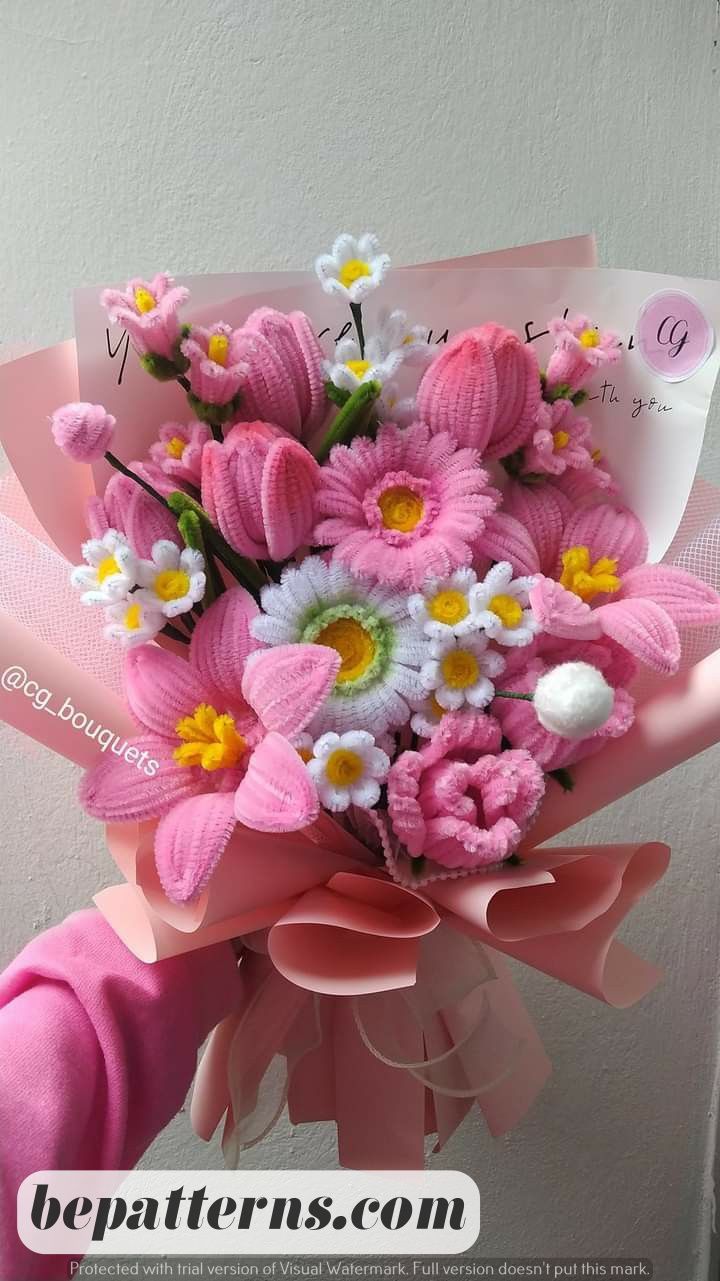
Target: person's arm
{"points": [[97, 1052]]}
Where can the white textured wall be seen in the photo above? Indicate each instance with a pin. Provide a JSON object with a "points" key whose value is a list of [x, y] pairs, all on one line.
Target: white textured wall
{"points": [[197, 135]]}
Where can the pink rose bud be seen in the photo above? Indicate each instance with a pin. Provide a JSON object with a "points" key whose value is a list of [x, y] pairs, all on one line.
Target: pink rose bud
{"points": [[82, 431]]}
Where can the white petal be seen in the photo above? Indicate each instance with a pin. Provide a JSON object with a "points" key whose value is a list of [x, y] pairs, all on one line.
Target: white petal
{"points": [[192, 561], [357, 740], [479, 694], [326, 744], [450, 699], [165, 554], [365, 793]]}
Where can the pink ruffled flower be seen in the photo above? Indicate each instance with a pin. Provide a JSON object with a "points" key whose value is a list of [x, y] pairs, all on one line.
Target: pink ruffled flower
{"points": [[484, 389], [82, 431], [178, 451], [461, 801], [200, 721], [217, 367], [405, 507], [259, 487], [602, 587], [127, 507], [580, 349], [561, 440], [148, 310], [285, 383]]}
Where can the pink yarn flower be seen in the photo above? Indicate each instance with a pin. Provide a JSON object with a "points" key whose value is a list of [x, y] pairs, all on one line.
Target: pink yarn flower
{"points": [[148, 310], [178, 451], [216, 368], [580, 349], [405, 507], [285, 383], [200, 720], [82, 431], [561, 440], [461, 801], [259, 487], [484, 389], [127, 507]]}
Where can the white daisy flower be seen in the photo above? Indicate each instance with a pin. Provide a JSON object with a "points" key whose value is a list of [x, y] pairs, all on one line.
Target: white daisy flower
{"points": [[446, 607], [173, 581], [500, 604], [394, 333], [427, 717], [394, 408], [380, 648], [110, 572], [350, 368], [132, 622], [354, 267], [461, 671], [347, 769]]}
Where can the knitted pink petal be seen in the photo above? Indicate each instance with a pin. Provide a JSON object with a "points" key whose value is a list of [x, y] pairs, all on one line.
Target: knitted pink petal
{"points": [[562, 613], [542, 513], [277, 793], [146, 523], [459, 392], [231, 481], [644, 629], [118, 790], [290, 479], [504, 538], [189, 843], [686, 599], [162, 688], [609, 531], [312, 353], [519, 389], [269, 391], [288, 684], [222, 641]]}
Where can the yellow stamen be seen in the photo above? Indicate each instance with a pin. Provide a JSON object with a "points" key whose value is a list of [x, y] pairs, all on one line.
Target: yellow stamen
{"points": [[144, 301], [596, 455], [560, 439], [210, 740], [133, 618], [401, 508], [305, 753], [507, 609], [449, 606], [343, 767], [218, 348], [175, 447], [171, 584], [352, 271], [358, 367], [107, 567], [585, 580], [353, 643], [589, 338], [460, 669]]}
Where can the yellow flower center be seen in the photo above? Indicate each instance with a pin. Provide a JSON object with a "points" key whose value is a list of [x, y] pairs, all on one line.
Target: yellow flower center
{"points": [[218, 348], [589, 338], [107, 567], [175, 447], [343, 767], [209, 739], [352, 271], [586, 580], [144, 300], [401, 508], [353, 643], [460, 669], [448, 607], [305, 753], [171, 584], [560, 439], [358, 367], [507, 609], [133, 618]]}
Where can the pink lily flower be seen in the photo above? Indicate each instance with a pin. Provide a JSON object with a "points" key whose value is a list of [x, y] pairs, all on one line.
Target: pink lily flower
{"points": [[217, 368], [285, 382], [178, 451], [580, 349], [200, 721], [148, 310]]}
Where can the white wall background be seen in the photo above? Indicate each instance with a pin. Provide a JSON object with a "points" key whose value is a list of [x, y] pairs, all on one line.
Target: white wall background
{"points": [[195, 136]]}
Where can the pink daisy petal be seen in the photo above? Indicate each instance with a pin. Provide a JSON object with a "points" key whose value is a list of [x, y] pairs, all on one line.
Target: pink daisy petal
{"points": [[190, 841]]}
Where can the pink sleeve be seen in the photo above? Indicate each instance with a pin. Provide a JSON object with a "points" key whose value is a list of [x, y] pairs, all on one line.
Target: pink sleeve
{"points": [[97, 1051]]}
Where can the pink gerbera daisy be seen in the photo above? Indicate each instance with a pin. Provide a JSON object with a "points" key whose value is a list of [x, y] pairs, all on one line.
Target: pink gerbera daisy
{"points": [[405, 507]]}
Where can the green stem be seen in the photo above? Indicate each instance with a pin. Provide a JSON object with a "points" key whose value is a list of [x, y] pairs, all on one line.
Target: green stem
{"points": [[245, 571], [217, 432], [127, 471], [509, 693], [351, 420], [356, 309], [175, 634]]}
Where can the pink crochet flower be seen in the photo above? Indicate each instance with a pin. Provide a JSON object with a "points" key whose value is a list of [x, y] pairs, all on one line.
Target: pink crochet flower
{"points": [[127, 507], [259, 487], [561, 440], [178, 451], [216, 368], [484, 389], [82, 431], [200, 720], [461, 801], [148, 310], [285, 383], [580, 349], [405, 507], [605, 588]]}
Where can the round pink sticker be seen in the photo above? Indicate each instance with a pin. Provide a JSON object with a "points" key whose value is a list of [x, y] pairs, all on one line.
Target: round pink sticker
{"points": [[673, 335]]}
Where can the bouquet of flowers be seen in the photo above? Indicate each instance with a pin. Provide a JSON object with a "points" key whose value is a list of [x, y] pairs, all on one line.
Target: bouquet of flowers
{"points": [[375, 610]]}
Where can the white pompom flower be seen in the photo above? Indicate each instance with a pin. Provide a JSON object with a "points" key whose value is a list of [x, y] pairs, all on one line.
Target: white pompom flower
{"points": [[462, 671], [446, 606], [111, 570], [573, 700], [348, 769], [132, 622], [353, 268], [173, 581], [501, 606]]}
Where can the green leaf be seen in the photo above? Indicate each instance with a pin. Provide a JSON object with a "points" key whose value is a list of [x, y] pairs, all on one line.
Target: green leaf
{"points": [[352, 420], [338, 395]]}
